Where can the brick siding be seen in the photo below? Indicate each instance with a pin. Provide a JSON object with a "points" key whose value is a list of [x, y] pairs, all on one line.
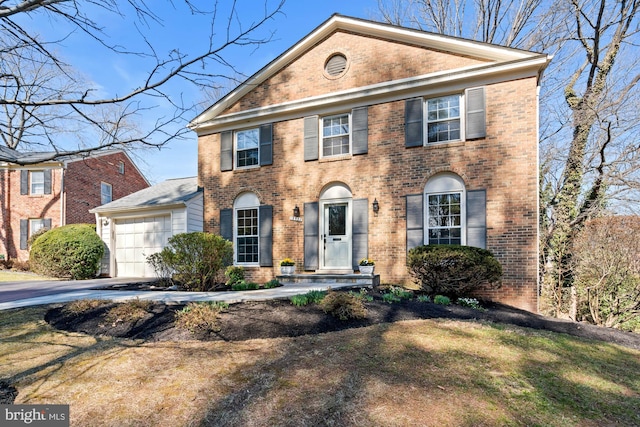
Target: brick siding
{"points": [[504, 164]]}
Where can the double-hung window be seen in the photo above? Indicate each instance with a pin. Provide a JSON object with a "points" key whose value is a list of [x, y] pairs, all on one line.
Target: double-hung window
{"points": [[247, 147], [443, 119], [106, 192], [335, 135], [247, 248], [35, 225], [445, 219], [36, 182]]}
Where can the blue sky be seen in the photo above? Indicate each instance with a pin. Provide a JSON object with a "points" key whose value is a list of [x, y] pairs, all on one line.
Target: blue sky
{"points": [[114, 74]]}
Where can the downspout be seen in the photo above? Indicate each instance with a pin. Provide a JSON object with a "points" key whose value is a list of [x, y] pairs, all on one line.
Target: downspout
{"points": [[63, 196]]}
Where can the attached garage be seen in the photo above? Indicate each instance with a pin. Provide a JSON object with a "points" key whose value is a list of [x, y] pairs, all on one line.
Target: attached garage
{"points": [[141, 224]]}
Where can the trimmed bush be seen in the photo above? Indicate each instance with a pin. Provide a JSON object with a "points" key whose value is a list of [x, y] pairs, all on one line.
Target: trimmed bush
{"points": [[343, 305], [72, 251], [454, 271], [196, 259]]}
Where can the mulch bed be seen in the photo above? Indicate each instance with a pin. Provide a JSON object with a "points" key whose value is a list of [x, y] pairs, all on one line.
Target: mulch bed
{"points": [[280, 318]]}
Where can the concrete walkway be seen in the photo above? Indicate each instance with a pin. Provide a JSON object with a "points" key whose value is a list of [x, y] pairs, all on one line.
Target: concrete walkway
{"points": [[166, 296]]}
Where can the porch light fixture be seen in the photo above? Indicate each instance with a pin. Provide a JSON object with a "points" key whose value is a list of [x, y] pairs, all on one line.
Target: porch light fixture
{"points": [[296, 212], [376, 206], [105, 221]]}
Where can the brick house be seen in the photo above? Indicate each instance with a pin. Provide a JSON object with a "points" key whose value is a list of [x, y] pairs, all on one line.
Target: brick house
{"points": [[365, 140], [54, 193]]}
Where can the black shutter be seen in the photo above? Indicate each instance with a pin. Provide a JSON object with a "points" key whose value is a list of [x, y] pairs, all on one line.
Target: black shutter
{"points": [[311, 236], [24, 182], [24, 233], [360, 123], [311, 149], [226, 224], [47, 181], [476, 121], [226, 151], [477, 218], [413, 126], [360, 231], [415, 221], [266, 144], [265, 216]]}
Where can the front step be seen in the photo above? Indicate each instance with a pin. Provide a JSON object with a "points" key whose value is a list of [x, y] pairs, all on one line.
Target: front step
{"points": [[328, 279]]}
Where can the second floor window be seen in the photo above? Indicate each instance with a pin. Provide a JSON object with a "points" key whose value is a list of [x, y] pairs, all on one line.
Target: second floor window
{"points": [[247, 147], [105, 193], [443, 119], [335, 135], [37, 182]]}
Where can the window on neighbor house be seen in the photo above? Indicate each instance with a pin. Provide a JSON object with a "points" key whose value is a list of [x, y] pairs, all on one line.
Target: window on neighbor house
{"points": [[36, 179], [105, 193], [35, 225], [121, 168], [443, 119], [247, 147], [335, 135]]}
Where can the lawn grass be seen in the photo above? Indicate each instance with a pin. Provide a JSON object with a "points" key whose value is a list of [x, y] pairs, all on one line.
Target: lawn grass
{"points": [[427, 372], [19, 276]]}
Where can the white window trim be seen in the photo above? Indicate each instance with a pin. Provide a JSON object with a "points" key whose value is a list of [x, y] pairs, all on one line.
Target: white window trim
{"points": [[321, 135], [425, 115], [446, 183], [243, 202], [104, 185], [31, 182], [235, 148]]}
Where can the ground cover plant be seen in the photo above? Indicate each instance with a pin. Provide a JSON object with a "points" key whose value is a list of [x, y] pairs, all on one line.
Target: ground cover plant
{"points": [[438, 371]]}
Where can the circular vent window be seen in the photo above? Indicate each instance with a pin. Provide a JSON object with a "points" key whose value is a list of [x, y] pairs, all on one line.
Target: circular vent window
{"points": [[336, 65]]}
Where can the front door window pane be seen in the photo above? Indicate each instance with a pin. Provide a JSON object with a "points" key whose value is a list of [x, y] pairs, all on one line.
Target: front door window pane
{"points": [[337, 220]]}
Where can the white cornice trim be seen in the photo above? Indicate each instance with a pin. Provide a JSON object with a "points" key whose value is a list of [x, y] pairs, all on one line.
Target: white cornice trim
{"points": [[425, 85], [375, 29]]}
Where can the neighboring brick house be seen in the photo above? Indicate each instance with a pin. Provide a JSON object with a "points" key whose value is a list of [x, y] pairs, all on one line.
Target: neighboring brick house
{"points": [[383, 138], [54, 193]]}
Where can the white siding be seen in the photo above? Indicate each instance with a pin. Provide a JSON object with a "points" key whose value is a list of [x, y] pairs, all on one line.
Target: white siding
{"points": [[195, 213]]}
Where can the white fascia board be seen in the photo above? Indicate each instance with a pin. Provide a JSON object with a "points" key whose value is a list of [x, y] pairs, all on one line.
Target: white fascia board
{"points": [[425, 85], [370, 28], [137, 211]]}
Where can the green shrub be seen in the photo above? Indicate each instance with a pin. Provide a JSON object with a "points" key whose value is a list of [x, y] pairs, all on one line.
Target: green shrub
{"points": [[469, 302], [244, 286], [442, 300], [452, 270], [72, 251], [424, 298], [343, 306], [162, 270], [390, 298], [273, 283], [234, 274], [311, 297], [196, 259], [200, 316]]}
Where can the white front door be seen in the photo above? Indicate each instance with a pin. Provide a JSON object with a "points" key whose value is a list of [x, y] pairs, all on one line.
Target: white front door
{"points": [[335, 241]]}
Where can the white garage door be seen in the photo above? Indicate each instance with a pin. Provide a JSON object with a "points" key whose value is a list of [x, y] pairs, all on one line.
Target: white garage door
{"points": [[136, 239]]}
